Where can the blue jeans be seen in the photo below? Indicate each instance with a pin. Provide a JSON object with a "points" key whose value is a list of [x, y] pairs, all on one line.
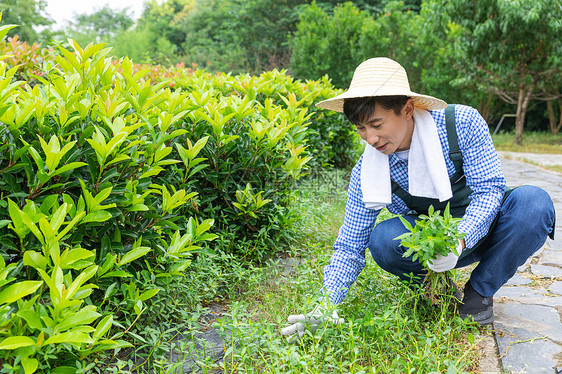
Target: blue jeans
{"points": [[525, 219]]}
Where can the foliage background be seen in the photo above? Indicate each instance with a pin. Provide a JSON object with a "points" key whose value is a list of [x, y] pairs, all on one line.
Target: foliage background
{"points": [[449, 50]]}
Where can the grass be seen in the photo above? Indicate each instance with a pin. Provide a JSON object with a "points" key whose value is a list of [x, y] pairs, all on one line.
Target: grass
{"points": [[389, 328], [533, 142]]}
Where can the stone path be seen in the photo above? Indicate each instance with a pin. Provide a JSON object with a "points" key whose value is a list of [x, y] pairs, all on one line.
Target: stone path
{"points": [[537, 158], [528, 309]]}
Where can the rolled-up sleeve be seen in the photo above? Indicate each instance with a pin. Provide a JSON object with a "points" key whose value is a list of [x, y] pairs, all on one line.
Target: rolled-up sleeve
{"points": [[349, 249], [482, 169]]}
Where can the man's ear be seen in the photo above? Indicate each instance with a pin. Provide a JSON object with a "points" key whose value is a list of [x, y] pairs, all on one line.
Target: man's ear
{"points": [[408, 109]]}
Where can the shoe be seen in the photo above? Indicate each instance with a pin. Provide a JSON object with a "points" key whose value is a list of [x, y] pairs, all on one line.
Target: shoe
{"points": [[476, 307]]}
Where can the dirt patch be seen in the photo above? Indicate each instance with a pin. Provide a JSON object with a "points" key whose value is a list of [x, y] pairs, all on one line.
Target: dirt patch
{"points": [[488, 354]]}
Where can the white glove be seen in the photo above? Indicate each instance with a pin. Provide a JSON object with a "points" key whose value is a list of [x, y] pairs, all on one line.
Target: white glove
{"points": [[444, 263], [310, 320]]}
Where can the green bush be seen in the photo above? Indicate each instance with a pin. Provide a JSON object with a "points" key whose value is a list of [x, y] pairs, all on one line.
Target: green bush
{"points": [[110, 184], [331, 140]]}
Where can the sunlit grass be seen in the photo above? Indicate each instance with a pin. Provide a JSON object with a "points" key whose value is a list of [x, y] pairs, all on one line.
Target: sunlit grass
{"points": [[533, 142]]}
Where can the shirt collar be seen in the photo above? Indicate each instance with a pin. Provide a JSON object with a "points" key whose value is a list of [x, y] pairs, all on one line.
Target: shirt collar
{"points": [[393, 160]]}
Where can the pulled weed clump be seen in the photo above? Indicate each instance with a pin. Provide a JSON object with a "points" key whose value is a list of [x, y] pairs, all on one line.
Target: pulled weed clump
{"points": [[431, 236]]}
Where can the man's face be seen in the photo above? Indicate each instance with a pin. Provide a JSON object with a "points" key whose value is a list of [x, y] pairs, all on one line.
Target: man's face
{"points": [[388, 132]]}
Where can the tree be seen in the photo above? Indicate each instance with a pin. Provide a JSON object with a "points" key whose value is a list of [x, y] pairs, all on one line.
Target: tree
{"points": [[103, 25], [240, 35], [430, 62], [511, 47], [328, 44], [395, 34], [374, 7], [553, 124], [27, 14], [167, 20]]}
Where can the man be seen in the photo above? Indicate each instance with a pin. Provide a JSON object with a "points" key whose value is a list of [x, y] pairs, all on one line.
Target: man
{"points": [[416, 157]]}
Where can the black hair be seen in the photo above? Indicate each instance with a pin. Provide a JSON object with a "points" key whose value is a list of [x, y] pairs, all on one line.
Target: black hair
{"points": [[359, 109]]}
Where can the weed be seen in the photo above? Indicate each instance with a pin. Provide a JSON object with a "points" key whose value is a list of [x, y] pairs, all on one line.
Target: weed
{"points": [[431, 236]]}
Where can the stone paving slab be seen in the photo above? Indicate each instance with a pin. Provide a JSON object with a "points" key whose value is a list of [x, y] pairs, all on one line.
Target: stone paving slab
{"points": [[522, 351], [552, 258], [546, 271], [518, 280], [539, 158], [538, 320], [528, 315], [556, 288], [526, 295]]}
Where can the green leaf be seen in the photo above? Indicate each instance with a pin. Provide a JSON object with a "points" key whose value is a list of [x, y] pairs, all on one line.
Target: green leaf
{"points": [[102, 195], [133, 254], [64, 370], [29, 365], [35, 260], [31, 317], [5, 29], [148, 294], [69, 337], [14, 342], [110, 344], [83, 317], [80, 279], [406, 224], [151, 172], [68, 167], [37, 158], [76, 254], [117, 273], [97, 216], [103, 326], [19, 290]]}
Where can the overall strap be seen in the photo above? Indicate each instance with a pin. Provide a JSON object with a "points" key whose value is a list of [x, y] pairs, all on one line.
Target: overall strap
{"points": [[454, 151]]}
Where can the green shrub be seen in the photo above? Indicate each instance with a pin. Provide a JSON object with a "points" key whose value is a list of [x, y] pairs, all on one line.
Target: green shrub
{"points": [[331, 140], [110, 184]]}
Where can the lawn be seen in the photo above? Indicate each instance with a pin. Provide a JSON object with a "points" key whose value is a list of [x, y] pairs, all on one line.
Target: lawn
{"points": [[533, 142]]}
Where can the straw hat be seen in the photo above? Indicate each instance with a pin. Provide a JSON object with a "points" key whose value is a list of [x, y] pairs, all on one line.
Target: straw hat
{"points": [[380, 76]]}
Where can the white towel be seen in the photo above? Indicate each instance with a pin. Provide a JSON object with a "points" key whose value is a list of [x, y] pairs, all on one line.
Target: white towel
{"points": [[427, 171]]}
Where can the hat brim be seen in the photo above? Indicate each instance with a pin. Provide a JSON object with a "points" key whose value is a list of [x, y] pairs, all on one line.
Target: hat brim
{"points": [[420, 101]]}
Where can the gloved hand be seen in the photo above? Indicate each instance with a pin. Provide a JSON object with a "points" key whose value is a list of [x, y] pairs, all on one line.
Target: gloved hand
{"points": [[311, 321], [443, 263]]}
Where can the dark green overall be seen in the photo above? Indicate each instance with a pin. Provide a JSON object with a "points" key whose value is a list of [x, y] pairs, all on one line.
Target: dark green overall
{"points": [[459, 202]]}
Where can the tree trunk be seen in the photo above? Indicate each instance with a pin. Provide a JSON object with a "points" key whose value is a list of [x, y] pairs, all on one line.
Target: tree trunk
{"points": [[484, 107], [522, 104], [554, 128]]}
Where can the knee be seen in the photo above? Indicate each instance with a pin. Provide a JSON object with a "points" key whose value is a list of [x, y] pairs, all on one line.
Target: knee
{"points": [[532, 204], [383, 245]]}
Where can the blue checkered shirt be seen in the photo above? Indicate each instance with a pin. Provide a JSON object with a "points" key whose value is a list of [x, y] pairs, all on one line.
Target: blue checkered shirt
{"points": [[483, 174]]}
